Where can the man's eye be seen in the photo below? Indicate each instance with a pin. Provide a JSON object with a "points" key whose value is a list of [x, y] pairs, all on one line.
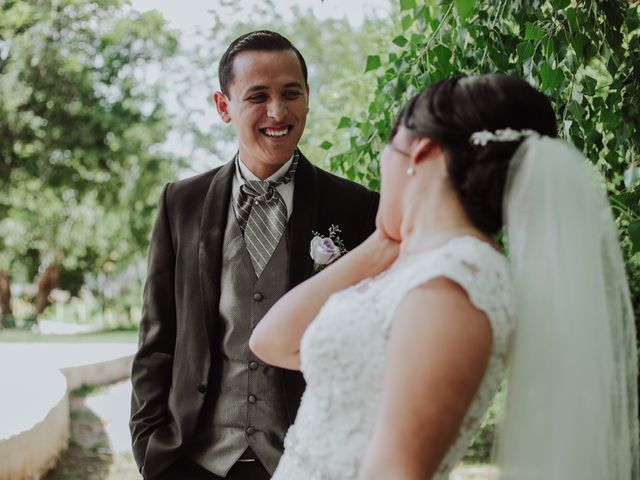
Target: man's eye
{"points": [[292, 94], [257, 98]]}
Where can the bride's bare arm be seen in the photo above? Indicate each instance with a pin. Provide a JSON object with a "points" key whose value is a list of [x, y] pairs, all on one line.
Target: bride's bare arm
{"points": [[439, 348], [276, 339]]}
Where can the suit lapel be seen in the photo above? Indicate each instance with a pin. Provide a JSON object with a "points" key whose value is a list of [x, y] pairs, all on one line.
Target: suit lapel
{"points": [[303, 221], [212, 228]]}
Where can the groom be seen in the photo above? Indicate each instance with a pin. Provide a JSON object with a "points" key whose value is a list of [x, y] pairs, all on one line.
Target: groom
{"points": [[225, 246]]}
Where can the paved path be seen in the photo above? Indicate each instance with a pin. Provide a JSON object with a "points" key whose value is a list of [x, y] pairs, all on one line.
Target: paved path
{"points": [[19, 356], [112, 406], [27, 371]]}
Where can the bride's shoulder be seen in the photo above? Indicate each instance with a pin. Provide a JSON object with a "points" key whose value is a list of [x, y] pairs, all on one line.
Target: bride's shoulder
{"points": [[475, 254], [467, 255], [473, 264], [472, 268]]}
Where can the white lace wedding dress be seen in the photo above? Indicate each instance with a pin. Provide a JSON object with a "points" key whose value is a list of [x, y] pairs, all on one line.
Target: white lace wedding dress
{"points": [[342, 356]]}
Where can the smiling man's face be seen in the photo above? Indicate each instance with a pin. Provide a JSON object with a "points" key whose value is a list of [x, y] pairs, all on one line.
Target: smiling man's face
{"points": [[267, 106]]}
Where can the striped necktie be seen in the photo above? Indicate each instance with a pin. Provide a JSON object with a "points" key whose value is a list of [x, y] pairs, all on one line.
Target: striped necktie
{"points": [[262, 216]]}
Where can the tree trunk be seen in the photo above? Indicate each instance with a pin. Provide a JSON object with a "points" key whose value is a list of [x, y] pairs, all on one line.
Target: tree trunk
{"points": [[5, 293], [48, 281]]}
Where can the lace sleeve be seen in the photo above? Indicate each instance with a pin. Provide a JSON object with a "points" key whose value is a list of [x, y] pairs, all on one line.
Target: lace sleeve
{"points": [[481, 271]]}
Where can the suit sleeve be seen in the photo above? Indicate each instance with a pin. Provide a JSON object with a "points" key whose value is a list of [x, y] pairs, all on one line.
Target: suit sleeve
{"points": [[370, 218], [152, 365]]}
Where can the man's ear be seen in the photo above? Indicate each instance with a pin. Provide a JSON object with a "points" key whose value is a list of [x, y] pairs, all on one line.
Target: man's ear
{"points": [[222, 104], [307, 89]]}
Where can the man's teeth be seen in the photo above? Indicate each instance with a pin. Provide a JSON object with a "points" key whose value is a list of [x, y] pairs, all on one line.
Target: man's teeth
{"points": [[272, 132]]}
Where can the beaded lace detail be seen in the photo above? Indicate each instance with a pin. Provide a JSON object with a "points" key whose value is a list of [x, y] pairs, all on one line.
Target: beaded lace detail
{"points": [[342, 356]]}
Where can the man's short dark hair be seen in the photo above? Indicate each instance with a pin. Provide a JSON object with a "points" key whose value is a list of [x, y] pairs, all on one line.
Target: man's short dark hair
{"points": [[257, 40]]}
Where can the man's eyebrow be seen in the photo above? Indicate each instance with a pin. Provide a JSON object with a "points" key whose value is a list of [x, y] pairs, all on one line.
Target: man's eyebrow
{"points": [[293, 84], [257, 88]]}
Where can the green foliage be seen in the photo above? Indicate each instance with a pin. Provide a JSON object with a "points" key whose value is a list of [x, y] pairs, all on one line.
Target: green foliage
{"points": [[583, 55], [80, 126], [7, 321], [479, 450], [373, 62], [88, 390], [464, 9], [120, 335]]}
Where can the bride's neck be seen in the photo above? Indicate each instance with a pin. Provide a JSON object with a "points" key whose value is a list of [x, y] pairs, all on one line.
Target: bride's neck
{"points": [[430, 219]]}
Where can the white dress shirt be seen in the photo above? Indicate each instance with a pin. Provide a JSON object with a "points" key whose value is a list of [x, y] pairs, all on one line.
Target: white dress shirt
{"points": [[243, 174]]}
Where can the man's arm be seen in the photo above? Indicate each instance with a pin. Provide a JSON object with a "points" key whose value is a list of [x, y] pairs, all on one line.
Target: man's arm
{"points": [[153, 363]]}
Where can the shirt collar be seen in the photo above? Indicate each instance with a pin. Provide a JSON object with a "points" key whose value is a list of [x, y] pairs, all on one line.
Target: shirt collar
{"points": [[243, 174]]}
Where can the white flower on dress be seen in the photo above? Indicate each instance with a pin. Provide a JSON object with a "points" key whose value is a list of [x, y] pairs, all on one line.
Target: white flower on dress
{"points": [[326, 250]]}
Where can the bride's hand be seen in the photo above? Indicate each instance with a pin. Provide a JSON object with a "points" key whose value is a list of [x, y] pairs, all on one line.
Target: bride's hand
{"points": [[376, 253]]}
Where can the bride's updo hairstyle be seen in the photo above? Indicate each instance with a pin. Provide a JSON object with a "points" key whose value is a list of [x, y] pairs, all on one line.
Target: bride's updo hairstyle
{"points": [[450, 110]]}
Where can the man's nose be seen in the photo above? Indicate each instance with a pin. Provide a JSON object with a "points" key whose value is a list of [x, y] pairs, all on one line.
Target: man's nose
{"points": [[277, 110]]}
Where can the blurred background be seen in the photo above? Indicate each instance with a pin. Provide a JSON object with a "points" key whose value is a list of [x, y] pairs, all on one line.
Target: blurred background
{"points": [[103, 102]]}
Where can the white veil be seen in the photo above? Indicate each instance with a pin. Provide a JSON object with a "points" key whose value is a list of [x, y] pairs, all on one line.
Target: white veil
{"points": [[571, 410]]}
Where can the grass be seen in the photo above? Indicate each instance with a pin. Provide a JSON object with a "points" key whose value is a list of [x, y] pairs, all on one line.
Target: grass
{"points": [[89, 455], [88, 390], [108, 336]]}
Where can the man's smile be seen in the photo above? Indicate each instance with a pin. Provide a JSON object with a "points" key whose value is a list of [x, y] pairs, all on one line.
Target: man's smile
{"points": [[276, 131]]}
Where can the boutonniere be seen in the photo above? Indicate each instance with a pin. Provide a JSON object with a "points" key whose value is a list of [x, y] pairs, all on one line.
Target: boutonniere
{"points": [[326, 249]]}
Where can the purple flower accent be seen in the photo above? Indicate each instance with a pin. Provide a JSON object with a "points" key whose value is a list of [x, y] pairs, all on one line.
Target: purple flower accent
{"points": [[326, 250], [323, 251]]}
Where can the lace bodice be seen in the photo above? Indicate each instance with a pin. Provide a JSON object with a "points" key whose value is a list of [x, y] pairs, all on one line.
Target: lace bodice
{"points": [[342, 356]]}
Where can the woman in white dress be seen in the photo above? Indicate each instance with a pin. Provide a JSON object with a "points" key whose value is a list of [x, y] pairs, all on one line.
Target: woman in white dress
{"points": [[404, 340]]}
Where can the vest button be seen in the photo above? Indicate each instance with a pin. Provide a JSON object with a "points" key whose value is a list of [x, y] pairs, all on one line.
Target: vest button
{"points": [[252, 399], [258, 297], [253, 365], [251, 430], [202, 388]]}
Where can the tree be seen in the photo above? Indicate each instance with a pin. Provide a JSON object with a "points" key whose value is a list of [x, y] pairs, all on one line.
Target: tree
{"points": [[80, 126]]}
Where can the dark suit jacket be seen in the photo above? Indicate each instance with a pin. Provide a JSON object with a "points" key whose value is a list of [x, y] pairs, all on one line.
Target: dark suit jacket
{"points": [[176, 360]]}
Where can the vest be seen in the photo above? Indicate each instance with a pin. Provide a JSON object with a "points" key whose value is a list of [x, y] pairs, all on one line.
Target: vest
{"points": [[247, 408]]}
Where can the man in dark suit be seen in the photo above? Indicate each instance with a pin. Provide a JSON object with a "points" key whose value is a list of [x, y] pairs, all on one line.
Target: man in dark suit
{"points": [[225, 246]]}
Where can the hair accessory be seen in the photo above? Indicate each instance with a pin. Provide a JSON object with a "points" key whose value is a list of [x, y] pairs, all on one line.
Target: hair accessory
{"points": [[505, 135], [411, 171]]}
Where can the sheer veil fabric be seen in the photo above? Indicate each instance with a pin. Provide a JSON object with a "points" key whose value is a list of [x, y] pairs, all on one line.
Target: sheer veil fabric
{"points": [[571, 410]]}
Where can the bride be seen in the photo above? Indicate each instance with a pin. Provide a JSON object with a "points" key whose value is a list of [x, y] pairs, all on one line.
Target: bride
{"points": [[404, 340]]}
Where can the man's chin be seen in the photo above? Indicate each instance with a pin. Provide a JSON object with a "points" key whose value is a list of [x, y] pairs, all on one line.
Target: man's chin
{"points": [[280, 156]]}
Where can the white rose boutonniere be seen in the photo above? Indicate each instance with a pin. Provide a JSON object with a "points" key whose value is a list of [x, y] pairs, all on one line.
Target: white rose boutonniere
{"points": [[326, 250]]}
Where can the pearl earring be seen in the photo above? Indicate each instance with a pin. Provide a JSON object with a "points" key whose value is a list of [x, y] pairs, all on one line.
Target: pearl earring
{"points": [[411, 171]]}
